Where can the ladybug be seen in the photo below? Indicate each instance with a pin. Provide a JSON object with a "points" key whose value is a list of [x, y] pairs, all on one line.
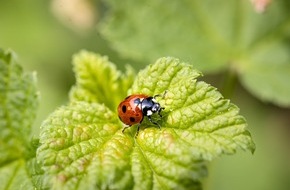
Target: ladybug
{"points": [[135, 107]]}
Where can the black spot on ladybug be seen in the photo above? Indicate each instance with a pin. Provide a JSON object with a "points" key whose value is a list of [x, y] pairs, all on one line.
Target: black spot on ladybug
{"points": [[132, 119], [124, 109]]}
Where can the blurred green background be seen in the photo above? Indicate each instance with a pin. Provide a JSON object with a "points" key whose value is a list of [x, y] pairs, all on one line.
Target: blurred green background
{"points": [[45, 35]]}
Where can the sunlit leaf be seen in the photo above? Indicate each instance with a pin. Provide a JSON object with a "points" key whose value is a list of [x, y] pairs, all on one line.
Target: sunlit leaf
{"points": [[18, 105], [98, 80], [82, 145]]}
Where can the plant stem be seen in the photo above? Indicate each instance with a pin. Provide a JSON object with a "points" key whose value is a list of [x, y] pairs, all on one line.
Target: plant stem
{"points": [[229, 83]]}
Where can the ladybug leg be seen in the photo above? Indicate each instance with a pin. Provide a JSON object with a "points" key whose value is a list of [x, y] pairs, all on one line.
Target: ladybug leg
{"points": [[125, 128], [155, 123], [138, 128], [159, 111]]}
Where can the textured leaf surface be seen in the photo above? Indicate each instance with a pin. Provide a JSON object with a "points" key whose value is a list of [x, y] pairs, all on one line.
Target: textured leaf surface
{"points": [[97, 79], [195, 113], [18, 103], [212, 35], [82, 146]]}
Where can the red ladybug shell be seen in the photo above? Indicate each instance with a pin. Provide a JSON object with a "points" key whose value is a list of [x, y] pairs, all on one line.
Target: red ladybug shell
{"points": [[129, 111]]}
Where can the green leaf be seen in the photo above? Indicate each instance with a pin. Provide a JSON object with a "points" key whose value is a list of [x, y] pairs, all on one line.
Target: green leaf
{"points": [[212, 35], [268, 79], [18, 105], [97, 80], [21, 174], [33, 168], [82, 145], [195, 113], [14, 176]]}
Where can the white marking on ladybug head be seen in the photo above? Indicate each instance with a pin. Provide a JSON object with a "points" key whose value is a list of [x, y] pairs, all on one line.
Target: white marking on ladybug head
{"points": [[149, 112], [155, 107], [139, 106]]}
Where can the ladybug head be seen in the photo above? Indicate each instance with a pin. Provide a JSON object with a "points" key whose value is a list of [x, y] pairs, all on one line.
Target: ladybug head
{"points": [[155, 107]]}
